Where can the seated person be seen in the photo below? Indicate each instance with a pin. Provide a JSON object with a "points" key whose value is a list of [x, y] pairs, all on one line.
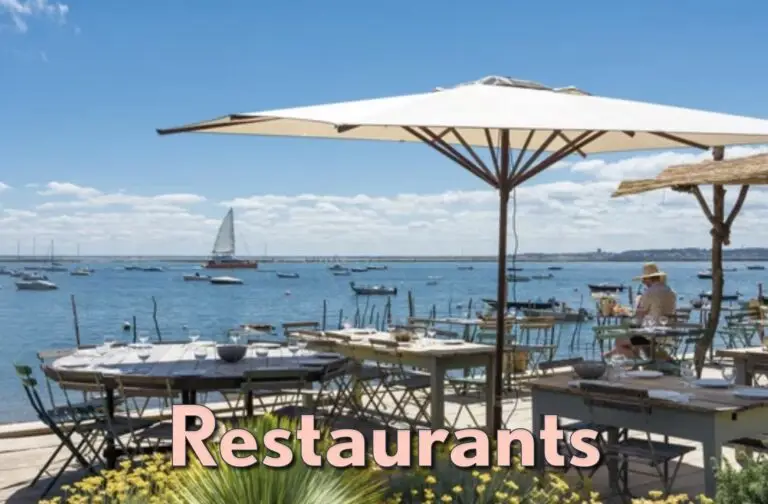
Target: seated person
{"points": [[657, 300]]}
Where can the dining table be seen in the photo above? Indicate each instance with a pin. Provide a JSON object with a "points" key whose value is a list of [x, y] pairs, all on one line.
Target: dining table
{"points": [[191, 368], [746, 362], [708, 411], [435, 356]]}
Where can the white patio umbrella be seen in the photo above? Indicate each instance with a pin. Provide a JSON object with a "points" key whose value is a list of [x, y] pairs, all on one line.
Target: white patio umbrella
{"points": [[543, 125]]}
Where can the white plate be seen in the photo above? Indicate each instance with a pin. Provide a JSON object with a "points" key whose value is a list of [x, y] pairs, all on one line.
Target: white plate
{"points": [[712, 383], [751, 393], [644, 375], [668, 395]]}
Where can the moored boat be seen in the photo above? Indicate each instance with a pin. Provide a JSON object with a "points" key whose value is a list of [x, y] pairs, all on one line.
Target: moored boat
{"points": [[517, 278], [341, 273], [543, 277], [704, 275], [518, 305], [555, 268], [724, 297], [378, 268], [373, 290], [466, 268], [605, 287], [359, 270], [287, 275], [338, 267], [226, 280], [36, 285], [223, 253], [80, 272], [755, 267]]}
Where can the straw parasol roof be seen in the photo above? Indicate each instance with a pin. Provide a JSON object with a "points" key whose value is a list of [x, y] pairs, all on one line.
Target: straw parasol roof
{"points": [[751, 170]]}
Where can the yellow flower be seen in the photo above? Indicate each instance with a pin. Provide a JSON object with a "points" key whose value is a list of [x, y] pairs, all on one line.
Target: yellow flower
{"points": [[475, 474], [511, 485], [414, 492], [500, 495], [457, 489], [655, 494], [485, 478], [480, 489], [446, 498], [430, 480]]}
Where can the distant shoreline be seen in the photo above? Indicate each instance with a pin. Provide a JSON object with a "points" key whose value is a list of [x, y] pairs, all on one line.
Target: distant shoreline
{"points": [[565, 258]]}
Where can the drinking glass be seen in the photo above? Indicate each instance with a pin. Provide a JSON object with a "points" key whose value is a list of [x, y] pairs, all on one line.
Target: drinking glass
{"points": [[234, 337], [618, 362], [143, 337], [144, 352], [663, 321], [301, 344], [200, 352], [193, 335], [263, 352], [293, 347], [729, 374], [648, 322], [688, 373], [431, 333]]}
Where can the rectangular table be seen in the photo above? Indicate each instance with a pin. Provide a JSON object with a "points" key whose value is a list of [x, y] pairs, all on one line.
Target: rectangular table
{"points": [[711, 417], [744, 362], [433, 355]]}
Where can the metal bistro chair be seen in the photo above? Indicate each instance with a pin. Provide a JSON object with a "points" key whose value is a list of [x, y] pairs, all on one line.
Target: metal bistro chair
{"points": [[413, 385], [656, 454], [65, 422]]}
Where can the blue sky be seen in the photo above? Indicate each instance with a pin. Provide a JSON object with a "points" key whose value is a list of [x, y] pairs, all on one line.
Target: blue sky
{"points": [[82, 94]]}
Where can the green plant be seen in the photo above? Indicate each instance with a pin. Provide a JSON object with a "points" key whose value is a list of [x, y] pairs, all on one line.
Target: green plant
{"points": [[745, 485], [297, 483]]}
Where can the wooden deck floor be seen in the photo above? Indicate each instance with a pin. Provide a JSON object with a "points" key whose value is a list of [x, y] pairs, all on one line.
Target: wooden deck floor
{"points": [[21, 457]]}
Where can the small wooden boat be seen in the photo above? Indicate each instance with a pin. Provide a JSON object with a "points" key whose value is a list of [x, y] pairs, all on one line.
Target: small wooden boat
{"points": [[555, 268], [704, 275], [287, 275], [725, 297], [226, 280], [517, 278], [605, 287], [197, 277], [341, 273], [755, 267], [373, 290], [543, 277], [36, 285]]}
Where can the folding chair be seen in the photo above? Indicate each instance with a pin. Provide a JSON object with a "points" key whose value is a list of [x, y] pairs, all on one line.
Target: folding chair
{"points": [[412, 384], [65, 423], [656, 454]]}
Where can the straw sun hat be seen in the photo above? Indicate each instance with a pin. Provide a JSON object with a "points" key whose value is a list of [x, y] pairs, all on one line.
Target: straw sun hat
{"points": [[651, 270]]}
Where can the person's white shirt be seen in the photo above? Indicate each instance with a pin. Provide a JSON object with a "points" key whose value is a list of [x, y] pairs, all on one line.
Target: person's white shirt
{"points": [[658, 300]]}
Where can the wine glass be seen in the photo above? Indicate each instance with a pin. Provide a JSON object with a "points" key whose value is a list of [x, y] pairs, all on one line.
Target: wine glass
{"points": [[144, 351], [729, 374], [301, 344], [618, 362], [193, 335], [201, 353], [263, 352], [143, 337], [431, 333], [234, 337], [688, 373], [293, 347]]}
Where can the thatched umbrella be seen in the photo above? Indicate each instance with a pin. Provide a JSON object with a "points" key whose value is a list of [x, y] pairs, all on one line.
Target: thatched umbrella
{"points": [[525, 128], [742, 172]]}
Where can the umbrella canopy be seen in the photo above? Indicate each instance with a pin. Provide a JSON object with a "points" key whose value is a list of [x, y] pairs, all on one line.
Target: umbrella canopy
{"points": [[503, 115], [498, 103], [751, 170]]}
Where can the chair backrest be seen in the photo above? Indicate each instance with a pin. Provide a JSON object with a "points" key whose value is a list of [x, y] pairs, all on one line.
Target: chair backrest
{"points": [[29, 383], [560, 363], [277, 378], [615, 397]]}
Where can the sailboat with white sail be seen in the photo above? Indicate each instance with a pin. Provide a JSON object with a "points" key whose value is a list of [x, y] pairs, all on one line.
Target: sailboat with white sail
{"points": [[223, 253]]}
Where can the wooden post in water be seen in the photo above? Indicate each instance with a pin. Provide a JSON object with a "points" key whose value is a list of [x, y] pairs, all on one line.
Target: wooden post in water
{"points": [[411, 310], [76, 322], [341, 316], [133, 328], [325, 313], [154, 318]]}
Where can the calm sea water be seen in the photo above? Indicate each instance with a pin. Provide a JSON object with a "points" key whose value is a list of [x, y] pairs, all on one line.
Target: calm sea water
{"points": [[33, 321]]}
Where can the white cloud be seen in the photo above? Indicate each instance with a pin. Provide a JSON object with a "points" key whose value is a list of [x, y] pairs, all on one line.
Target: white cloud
{"points": [[4, 187], [21, 11], [574, 213]]}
